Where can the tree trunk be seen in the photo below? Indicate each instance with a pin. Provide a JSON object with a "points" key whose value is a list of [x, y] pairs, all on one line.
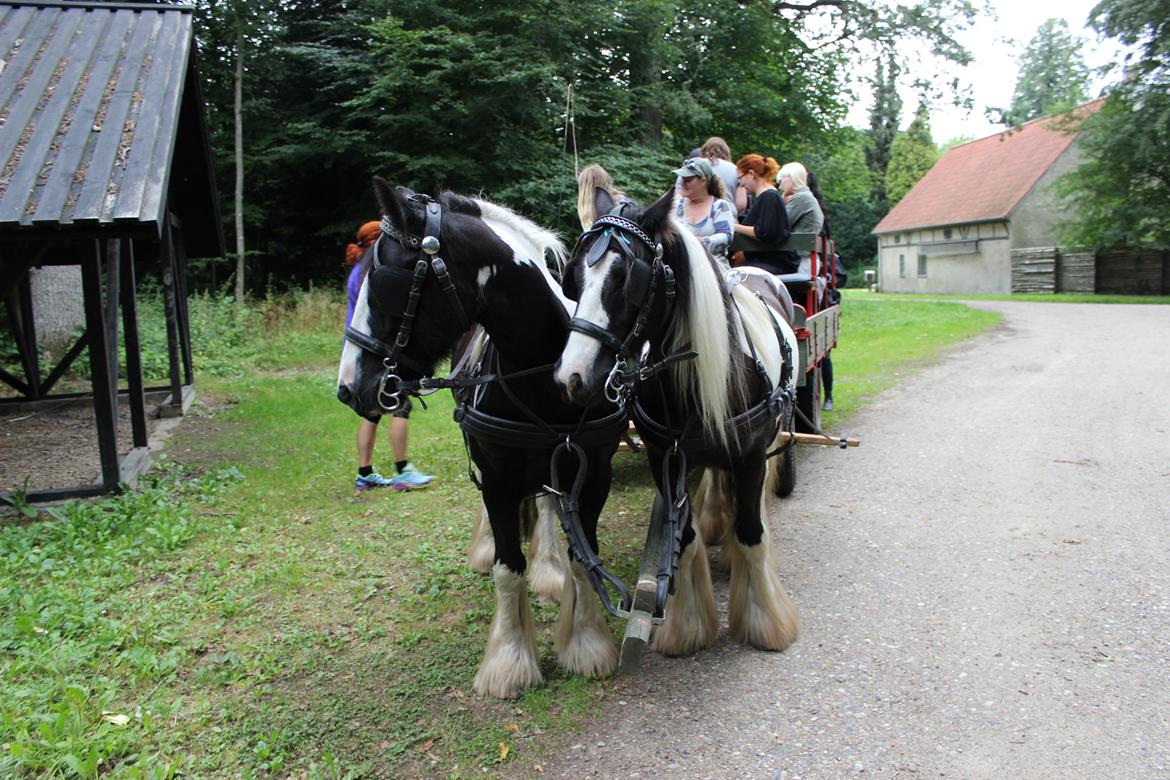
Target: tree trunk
{"points": [[649, 21], [239, 168]]}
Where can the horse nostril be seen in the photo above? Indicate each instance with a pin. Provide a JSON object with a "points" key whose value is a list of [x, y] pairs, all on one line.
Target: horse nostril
{"points": [[344, 394], [575, 383]]}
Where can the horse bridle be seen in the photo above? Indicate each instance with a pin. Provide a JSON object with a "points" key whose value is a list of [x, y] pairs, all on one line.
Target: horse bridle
{"points": [[388, 284], [643, 284]]}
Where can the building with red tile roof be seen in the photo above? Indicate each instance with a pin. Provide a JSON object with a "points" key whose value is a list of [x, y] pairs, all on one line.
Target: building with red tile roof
{"points": [[954, 231]]}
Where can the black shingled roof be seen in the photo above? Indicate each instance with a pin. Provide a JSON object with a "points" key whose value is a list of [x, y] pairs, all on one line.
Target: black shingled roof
{"points": [[100, 115]]}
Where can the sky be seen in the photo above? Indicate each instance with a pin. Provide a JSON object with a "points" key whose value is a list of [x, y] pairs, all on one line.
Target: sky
{"points": [[996, 45]]}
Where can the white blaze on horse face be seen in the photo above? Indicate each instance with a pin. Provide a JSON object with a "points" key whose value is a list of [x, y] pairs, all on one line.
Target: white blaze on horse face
{"points": [[581, 351], [350, 352]]}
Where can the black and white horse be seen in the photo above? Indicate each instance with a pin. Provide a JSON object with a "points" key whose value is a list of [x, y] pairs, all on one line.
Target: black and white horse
{"points": [[420, 296], [723, 407]]}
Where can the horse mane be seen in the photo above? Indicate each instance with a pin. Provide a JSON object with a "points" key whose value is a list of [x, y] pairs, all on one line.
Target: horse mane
{"points": [[543, 241], [715, 378]]}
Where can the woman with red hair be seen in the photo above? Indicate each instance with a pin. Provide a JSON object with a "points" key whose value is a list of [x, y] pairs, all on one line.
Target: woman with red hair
{"points": [[407, 476], [767, 220]]}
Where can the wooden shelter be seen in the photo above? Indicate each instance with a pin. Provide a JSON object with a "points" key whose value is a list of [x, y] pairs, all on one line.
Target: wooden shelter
{"points": [[105, 164]]}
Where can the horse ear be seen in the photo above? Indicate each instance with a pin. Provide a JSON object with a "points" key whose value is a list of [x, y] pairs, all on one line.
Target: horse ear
{"points": [[602, 202], [656, 219], [392, 202]]}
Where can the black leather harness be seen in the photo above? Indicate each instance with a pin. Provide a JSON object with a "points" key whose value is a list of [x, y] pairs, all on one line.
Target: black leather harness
{"points": [[398, 290]]}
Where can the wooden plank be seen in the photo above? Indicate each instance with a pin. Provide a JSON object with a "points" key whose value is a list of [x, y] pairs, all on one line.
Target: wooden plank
{"points": [[1034, 270], [797, 242], [801, 438], [1077, 272], [100, 370]]}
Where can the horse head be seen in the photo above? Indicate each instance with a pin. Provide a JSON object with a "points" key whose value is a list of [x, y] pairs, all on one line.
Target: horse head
{"points": [[416, 298], [622, 274]]}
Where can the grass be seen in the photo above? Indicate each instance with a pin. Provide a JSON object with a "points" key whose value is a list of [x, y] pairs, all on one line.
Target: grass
{"points": [[860, 294], [245, 614], [883, 338]]}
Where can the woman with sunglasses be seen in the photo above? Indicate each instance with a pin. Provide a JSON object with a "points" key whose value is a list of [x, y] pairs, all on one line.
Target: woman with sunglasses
{"points": [[704, 207], [767, 220]]}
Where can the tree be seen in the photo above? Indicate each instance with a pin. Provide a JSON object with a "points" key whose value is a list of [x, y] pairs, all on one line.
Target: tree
{"points": [[884, 118], [912, 154], [471, 96], [1121, 195], [234, 28], [846, 183], [1053, 76]]}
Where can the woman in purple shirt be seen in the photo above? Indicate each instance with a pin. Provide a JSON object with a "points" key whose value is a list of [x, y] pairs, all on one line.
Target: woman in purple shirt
{"points": [[407, 477]]}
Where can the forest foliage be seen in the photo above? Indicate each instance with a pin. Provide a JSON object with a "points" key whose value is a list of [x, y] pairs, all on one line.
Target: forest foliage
{"points": [[475, 97], [1122, 192]]}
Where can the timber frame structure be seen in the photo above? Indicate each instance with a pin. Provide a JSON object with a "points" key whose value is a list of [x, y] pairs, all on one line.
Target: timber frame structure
{"points": [[105, 163]]}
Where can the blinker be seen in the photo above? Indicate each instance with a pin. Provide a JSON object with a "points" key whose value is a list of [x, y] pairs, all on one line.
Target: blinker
{"points": [[597, 250]]}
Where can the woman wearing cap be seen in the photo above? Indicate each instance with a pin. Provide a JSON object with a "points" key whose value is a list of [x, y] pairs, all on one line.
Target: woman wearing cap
{"points": [[704, 208], [767, 220]]}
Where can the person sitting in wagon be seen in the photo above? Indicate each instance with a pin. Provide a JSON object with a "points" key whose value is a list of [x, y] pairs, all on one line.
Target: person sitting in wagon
{"points": [[704, 207], [803, 210], [767, 219]]}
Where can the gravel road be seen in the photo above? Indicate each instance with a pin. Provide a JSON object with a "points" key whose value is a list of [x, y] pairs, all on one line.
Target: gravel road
{"points": [[984, 584]]}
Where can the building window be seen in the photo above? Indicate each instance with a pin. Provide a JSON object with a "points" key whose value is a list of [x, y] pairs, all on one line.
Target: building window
{"points": [[902, 266], [948, 233], [897, 238], [922, 265]]}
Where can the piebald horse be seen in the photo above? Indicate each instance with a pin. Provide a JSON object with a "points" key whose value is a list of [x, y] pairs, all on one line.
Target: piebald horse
{"points": [[716, 385], [439, 267]]}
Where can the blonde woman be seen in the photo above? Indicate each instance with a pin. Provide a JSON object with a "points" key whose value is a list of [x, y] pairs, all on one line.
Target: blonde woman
{"points": [[592, 178]]}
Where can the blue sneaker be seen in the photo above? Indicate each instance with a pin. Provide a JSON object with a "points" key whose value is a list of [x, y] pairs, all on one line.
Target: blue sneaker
{"points": [[374, 480], [410, 478]]}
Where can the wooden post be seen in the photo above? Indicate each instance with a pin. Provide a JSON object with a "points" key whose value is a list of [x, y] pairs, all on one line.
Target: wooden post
{"points": [[110, 319], [166, 269], [103, 404], [136, 397], [179, 255], [25, 328]]}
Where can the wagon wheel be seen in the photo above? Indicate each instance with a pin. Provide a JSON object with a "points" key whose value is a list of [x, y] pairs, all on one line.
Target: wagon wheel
{"points": [[808, 401]]}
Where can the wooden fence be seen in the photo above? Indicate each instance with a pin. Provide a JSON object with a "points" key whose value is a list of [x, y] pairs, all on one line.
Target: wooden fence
{"points": [[1122, 271]]}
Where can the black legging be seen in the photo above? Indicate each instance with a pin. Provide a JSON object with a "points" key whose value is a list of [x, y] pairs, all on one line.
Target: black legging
{"points": [[827, 375]]}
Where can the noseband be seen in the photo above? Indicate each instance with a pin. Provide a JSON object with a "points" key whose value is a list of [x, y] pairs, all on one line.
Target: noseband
{"points": [[389, 284], [643, 285]]}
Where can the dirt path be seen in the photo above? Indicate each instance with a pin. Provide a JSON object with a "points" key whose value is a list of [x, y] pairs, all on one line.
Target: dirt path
{"points": [[984, 585]]}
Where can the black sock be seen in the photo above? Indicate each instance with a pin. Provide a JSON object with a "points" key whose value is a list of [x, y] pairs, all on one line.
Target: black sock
{"points": [[399, 465], [365, 471]]}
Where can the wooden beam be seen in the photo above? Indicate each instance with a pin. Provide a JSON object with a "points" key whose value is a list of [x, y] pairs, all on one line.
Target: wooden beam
{"points": [[137, 395], [801, 438], [100, 370], [167, 271]]}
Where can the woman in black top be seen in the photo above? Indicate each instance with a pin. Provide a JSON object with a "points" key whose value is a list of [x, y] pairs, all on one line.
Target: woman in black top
{"points": [[767, 220]]}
